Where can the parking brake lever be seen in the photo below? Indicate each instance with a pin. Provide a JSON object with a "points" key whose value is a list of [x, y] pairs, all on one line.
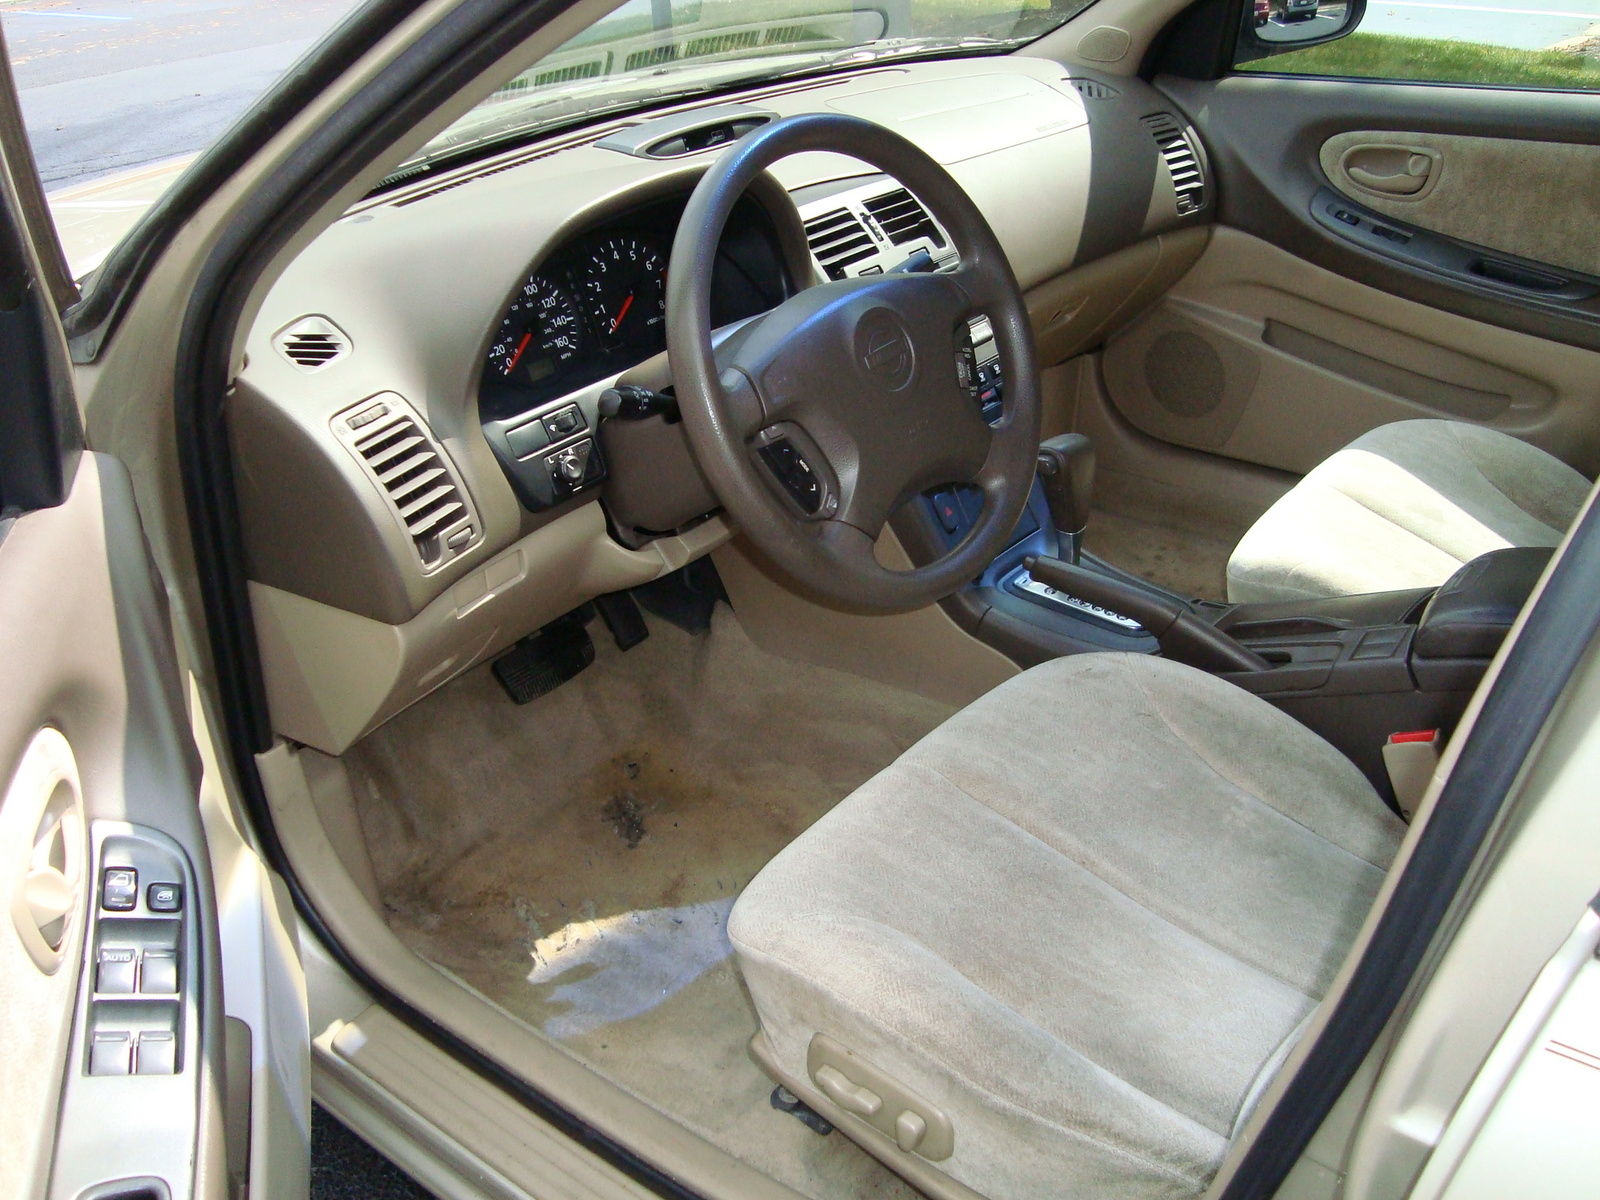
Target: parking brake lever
{"points": [[1182, 636]]}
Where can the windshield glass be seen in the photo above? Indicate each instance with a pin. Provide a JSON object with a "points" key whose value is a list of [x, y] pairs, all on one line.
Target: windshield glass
{"points": [[652, 50]]}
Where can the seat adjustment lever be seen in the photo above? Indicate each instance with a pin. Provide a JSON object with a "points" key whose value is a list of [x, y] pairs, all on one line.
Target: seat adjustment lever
{"points": [[848, 1096]]}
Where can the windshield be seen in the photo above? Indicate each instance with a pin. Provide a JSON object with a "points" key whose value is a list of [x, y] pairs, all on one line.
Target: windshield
{"points": [[647, 51]]}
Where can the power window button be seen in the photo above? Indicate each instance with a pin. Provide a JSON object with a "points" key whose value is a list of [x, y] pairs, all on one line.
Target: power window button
{"points": [[168, 897], [157, 1054], [119, 889], [114, 973], [158, 974], [109, 1053]]}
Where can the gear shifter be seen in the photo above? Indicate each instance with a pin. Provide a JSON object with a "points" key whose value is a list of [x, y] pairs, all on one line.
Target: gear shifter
{"points": [[1066, 469]]}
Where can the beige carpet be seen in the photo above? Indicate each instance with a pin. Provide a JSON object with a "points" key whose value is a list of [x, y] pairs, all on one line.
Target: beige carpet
{"points": [[1191, 564], [575, 859]]}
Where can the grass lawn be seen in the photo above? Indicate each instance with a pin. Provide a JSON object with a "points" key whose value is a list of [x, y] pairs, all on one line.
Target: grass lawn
{"points": [[1380, 56]]}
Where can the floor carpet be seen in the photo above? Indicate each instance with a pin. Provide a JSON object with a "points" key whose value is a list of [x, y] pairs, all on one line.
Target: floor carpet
{"points": [[343, 1167], [575, 859]]}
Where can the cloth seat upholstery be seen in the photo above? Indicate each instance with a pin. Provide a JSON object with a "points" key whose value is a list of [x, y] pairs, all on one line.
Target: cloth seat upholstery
{"points": [[1086, 917], [1404, 506]]}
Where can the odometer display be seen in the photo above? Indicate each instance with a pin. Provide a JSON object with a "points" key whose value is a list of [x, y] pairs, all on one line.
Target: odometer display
{"points": [[542, 331]]}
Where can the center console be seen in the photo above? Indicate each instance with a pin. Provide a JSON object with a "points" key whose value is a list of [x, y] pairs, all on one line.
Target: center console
{"points": [[1357, 670]]}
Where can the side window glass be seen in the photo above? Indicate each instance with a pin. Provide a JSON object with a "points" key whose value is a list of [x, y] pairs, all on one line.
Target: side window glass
{"points": [[1490, 43]]}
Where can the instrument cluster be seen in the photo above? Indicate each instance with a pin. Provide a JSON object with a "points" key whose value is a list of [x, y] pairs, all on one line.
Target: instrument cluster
{"points": [[597, 305]]}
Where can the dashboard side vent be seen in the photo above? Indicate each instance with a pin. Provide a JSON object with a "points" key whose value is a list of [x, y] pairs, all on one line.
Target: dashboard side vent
{"points": [[1093, 89], [312, 343], [1183, 167], [838, 238], [902, 218], [415, 476]]}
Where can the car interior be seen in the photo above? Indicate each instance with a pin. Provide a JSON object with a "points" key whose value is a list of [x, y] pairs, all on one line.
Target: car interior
{"points": [[892, 621]]}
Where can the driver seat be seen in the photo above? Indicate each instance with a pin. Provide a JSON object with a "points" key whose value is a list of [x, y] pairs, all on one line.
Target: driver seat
{"points": [[1061, 946]]}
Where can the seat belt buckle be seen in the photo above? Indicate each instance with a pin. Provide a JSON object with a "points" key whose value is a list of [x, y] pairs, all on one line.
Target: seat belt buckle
{"points": [[1411, 759]]}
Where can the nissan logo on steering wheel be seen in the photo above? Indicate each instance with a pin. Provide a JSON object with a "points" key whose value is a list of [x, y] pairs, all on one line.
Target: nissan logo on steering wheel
{"points": [[883, 348]]}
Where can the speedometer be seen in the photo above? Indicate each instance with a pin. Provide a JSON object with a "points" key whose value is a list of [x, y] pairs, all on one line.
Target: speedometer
{"points": [[541, 332], [623, 284]]}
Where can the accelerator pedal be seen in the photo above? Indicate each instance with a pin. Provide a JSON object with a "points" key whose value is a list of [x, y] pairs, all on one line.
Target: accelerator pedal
{"points": [[623, 619], [547, 658]]}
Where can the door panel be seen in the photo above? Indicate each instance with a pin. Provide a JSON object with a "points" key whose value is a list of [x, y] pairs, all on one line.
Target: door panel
{"points": [[1538, 200], [90, 674], [1261, 356], [1265, 137]]}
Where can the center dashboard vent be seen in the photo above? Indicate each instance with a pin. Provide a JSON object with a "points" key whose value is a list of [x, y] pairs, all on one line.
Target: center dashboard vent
{"points": [[838, 238], [414, 475], [1183, 167], [312, 343], [902, 218]]}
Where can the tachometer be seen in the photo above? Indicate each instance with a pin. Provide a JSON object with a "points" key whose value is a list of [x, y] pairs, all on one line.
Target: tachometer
{"points": [[623, 284], [541, 332]]}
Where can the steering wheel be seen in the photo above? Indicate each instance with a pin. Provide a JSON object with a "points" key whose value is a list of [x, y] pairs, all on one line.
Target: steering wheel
{"points": [[816, 421]]}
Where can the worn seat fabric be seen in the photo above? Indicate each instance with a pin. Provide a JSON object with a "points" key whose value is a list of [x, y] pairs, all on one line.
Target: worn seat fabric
{"points": [[1086, 917], [1404, 506]]}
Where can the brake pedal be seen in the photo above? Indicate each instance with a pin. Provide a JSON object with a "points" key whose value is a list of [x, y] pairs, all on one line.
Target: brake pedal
{"points": [[544, 660]]}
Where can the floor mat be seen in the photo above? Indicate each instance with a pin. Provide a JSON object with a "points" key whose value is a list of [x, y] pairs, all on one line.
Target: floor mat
{"points": [[1179, 560], [575, 859]]}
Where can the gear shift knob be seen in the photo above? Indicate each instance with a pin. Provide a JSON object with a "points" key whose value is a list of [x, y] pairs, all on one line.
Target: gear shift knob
{"points": [[1066, 470]]}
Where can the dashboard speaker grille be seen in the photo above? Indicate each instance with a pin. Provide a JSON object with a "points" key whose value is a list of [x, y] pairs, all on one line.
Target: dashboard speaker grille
{"points": [[422, 489], [312, 343], [902, 218], [1183, 167], [838, 238]]}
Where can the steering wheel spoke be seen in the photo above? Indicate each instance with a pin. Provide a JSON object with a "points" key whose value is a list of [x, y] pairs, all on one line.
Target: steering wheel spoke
{"points": [[853, 396]]}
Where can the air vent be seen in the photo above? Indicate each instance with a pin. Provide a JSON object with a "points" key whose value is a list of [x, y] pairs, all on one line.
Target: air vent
{"points": [[312, 343], [416, 477], [1093, 89], [838, 238], [902, 218], [1182, 165]]}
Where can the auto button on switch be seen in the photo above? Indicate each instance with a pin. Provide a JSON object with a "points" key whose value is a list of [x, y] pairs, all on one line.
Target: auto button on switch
{"points": [[115, 970]]}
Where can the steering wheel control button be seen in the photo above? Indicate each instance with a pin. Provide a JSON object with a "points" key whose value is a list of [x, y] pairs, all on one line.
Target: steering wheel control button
{"points": [[796, 475], [115, 971], [564, 422], [883, 349], [164, 897], [119, 889], [109, 1052], [158, 973]]}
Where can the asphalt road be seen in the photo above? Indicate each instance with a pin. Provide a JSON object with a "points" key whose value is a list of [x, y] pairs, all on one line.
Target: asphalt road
{"points": [[111, 84]]}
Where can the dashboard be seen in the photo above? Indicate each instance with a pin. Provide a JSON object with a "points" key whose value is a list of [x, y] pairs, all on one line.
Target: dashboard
{"points": [[424, 461]]}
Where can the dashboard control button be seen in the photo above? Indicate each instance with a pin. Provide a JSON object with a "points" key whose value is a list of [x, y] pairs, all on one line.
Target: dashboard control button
{"points": [[564, 423], [455, 541], [164, 897], [158, 975], [947, 510], [525, 439], [368, 415], [114, 972], [119, 889], [570, 468], [109, 1052], [158, 1053]]}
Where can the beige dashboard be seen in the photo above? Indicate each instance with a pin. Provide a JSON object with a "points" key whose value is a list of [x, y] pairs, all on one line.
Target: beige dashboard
{"points": [[381, 327]]}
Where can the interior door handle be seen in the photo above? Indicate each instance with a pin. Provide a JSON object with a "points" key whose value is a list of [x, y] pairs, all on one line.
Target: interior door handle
{"points": [[1391, 170]]}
